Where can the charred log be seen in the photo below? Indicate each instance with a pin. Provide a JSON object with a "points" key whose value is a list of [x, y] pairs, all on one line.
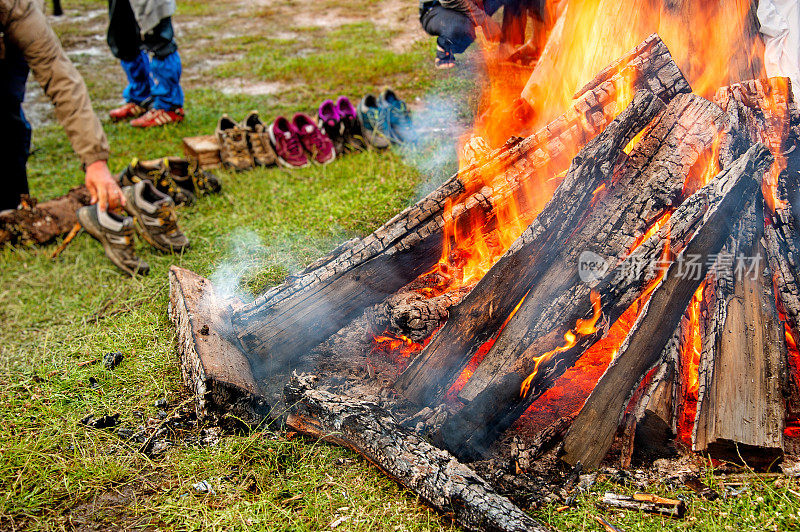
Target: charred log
{"points": [[740, 406], [493, 299], [434, 475], [212, 368], [591, 434], [289, 319]]}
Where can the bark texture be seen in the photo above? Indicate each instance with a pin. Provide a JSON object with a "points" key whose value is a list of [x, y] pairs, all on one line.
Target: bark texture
{"points": [[590, 436], [41, 223], [431, 473]]}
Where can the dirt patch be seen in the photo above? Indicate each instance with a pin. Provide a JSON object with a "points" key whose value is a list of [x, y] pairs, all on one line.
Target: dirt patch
{"points": [[241, 86], [112, 509]]}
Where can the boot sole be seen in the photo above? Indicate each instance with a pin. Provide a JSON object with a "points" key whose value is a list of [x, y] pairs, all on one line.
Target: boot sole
{"points": [[100, 237]]}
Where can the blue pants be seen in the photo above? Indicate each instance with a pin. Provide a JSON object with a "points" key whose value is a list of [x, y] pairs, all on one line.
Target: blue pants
{"points": [[455, 30], [16, 146], [152, 82]]}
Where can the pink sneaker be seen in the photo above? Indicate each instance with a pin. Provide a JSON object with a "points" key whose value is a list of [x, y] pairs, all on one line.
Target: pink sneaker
{"points": [[318, 146], [286, 141]]}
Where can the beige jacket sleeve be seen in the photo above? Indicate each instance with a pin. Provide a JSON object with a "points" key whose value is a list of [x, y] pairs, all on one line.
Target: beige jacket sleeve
{"points": [[25, 26]]}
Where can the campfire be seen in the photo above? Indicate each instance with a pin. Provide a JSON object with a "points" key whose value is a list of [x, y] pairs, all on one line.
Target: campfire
{"points": [[622, 276]]}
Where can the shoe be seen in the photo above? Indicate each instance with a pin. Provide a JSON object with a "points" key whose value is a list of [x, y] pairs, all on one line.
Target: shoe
{"points": [[258, 140], [127, 111], [399, 118], [158, 117], [233, 149], [444, 60], [190, 177], [353, 136], [373, 121], [115, 233], [286, 141], [330, 122], [154, 217], [314, 141], [158, 173]]}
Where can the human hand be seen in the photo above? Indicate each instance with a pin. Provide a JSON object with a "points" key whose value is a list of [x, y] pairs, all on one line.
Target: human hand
{"points": [[103, 188]]}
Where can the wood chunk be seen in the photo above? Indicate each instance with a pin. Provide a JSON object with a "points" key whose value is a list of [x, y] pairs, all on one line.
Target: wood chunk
{"points": [[654, 416], [431, 473], [476, 319], [590, 436], [212, 368], [290, 319], [740, 413], [524, 455], [645, 502], [41, 223]]}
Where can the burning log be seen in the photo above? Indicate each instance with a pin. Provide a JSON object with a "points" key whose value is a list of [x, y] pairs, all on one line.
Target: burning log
{"points": [[41, 223], [557, 343], [290, 319], [590, 436], [212, 368], [740, 405], [493, 299], [434, 475]]}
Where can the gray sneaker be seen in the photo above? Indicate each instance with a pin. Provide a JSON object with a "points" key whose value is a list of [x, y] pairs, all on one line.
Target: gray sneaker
{"points": [[115, 233], [154, 217]]}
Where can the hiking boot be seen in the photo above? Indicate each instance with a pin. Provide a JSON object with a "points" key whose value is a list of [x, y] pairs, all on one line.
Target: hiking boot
{"points": [[158, 173], [330, 122], [373, 120], [115, 233], [127, 111], [233, 149], [314, 141], [258, 139], [154, 217], [286, 141], [190, 177], [158, 117], [353, 136], [399, 127]]}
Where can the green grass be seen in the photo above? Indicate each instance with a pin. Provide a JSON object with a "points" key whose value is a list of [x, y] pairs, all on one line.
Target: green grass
{"points": [[56, 473]]}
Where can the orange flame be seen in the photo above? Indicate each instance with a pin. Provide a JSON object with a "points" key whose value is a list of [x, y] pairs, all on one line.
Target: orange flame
{"points": [[399, 345], [690, 365], [583, 327]]}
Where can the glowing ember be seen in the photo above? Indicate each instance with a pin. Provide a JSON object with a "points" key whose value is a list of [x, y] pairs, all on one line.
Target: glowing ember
{"points": [[690, 364], [583, 327], [397, 345], [792, 429]]}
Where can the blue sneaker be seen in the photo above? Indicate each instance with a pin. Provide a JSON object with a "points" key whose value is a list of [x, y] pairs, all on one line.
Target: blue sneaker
{"points": [[374, 121], [399, 118]]}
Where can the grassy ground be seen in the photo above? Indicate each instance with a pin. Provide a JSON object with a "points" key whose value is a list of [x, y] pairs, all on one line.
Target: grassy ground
{"points": [[277, 57]]}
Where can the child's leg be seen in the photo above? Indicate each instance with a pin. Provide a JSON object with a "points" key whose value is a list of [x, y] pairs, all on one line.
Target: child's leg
{"points": [[165, 66]]}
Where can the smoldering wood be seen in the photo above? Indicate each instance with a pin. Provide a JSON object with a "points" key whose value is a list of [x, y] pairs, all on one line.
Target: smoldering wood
{"points": [[431, 473], [740, 414], [302, 312], [483, 311], [645, 502], [525, 454], [501, 402], [728, 194], [37, 223], [212, 368], [413, 315]]}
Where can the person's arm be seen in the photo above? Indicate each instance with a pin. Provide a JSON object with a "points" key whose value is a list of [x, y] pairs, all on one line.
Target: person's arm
{"points": [[27, 28]]}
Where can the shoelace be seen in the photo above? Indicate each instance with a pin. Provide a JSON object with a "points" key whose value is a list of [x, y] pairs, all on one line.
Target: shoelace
{"points": [[239, 145], [293, 144]]}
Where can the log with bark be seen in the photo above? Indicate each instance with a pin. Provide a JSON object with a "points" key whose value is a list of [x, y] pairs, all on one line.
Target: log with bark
{"points": [[431, 473], [535, 369], [289, 319], [476, 319], [740, 412], [727, 195], [212, 368], [645, 502], [36, 223]]}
